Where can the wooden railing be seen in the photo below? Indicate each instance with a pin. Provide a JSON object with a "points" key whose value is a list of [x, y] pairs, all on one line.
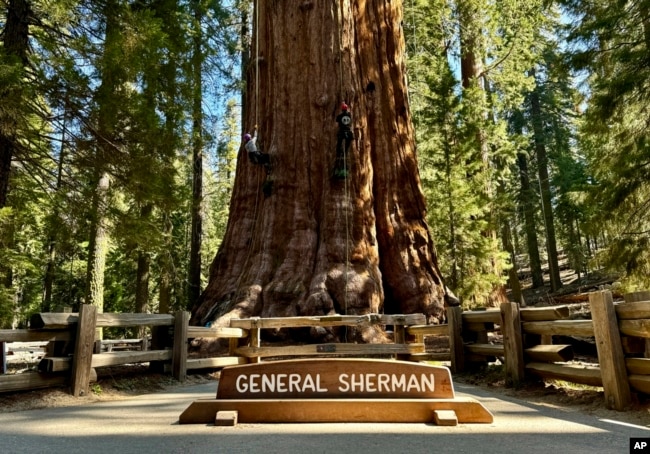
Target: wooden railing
{"points": [[621, 332], [255, 351]]}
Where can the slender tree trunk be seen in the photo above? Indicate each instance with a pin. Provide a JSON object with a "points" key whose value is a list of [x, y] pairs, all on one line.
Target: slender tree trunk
{"points": [[316, 244], [143, 269], [454, 279], [142, 283], [166, 273], [98, 245], [48, 281], [529, 221], [575, 249], [194, 280], [545, 189], [50, 270], [167, 81], [472, 79], [108, 108], [470, 33], [15, 42], [513, 274], [142, 287]]}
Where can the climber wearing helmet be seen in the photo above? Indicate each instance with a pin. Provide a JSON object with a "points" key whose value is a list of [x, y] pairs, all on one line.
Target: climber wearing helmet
{"points": [[344, 137]]}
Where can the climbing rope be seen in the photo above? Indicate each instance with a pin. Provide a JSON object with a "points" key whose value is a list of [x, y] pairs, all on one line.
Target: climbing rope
{"points": [[257, 61], [257, 103], [339, 19], [257, 192]]}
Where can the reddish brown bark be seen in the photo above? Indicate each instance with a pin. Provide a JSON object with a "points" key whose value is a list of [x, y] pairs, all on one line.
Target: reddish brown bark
{"points": [[318, 245]]}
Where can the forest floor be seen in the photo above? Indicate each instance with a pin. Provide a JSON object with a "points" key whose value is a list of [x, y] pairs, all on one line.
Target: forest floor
{"points": [[113, 383], [116, 383]]}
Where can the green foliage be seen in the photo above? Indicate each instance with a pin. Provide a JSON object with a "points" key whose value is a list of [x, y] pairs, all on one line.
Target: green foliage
{"points": [[611, 45], [22, 256], [221, 178], [110, 88], [463, 144]]}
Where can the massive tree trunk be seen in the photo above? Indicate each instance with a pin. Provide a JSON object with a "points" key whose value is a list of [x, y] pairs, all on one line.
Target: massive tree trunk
{"points": [[313, 244]]}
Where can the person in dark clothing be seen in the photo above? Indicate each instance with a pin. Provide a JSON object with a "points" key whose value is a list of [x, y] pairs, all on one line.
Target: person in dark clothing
{"points": [[254, 154], [344, 139]]}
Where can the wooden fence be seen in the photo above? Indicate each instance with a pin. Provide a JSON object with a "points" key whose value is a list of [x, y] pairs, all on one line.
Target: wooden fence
{"points": [[620, 332]]}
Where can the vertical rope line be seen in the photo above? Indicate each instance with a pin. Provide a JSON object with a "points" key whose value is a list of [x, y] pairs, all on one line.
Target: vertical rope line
{"points": [[257, 103], [339, 21], [347, 225], [257, 193], [257, 61], [339, 18]]}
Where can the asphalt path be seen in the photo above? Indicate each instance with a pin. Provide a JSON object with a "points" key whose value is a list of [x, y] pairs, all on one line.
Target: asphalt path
{"points": [[149, 424]]}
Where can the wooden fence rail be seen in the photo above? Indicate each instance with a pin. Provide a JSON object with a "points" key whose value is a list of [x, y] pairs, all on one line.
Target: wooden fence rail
{"points": [[620, 331], [399, 323]]}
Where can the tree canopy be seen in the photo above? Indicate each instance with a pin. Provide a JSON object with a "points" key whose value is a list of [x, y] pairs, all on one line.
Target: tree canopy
{"points": [[530, 122]]}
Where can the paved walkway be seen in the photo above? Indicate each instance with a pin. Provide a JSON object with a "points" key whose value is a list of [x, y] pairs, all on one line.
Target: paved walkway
{"points": [[149, 424]]}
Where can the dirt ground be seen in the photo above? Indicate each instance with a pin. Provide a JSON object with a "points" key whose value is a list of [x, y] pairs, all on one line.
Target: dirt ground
{"points": [[562, 395], [113, 383], [126, 381]]}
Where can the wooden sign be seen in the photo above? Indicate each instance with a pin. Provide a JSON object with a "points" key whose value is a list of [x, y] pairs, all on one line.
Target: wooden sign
{"points": [[335, 390], [335, 378]]}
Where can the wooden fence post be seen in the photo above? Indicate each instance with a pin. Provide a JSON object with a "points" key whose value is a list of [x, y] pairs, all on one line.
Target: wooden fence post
{"points": [[3, 357], [610, 350], [83, 350], [399, 336], [636, 297], [254, 337], [160, 340], [512, 343], [456, 345], [179, 356]]}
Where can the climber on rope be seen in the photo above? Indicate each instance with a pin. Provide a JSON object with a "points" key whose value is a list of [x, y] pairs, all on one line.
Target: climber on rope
{"points": [[344, 139], [254, 154]]}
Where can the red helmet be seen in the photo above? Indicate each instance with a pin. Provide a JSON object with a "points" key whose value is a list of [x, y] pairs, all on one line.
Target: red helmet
{"points": [[344, 106]]}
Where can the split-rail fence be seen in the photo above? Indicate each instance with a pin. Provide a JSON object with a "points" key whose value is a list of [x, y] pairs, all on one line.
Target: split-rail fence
{"points": [[620, 331]]}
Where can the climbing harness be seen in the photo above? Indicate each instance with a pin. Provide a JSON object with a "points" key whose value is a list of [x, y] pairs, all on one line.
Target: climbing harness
{"points": [[344, 139]]}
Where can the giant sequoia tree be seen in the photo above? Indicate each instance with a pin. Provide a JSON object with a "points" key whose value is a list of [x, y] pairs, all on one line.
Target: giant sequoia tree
{"points": [[300, 241]]}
